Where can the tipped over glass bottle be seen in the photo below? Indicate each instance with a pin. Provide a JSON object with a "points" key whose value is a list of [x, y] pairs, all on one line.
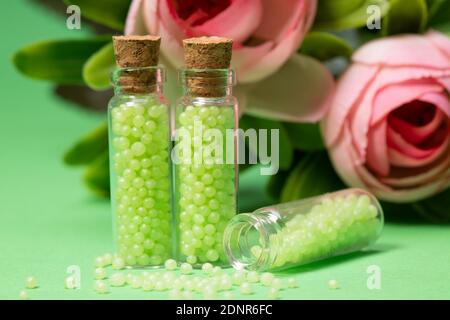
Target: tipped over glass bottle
{"points": [[139, 143], [205, 181], [300, 232]]}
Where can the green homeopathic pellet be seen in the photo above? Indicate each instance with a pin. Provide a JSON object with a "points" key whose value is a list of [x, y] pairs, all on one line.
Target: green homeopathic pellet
{"points": [[300, 232], [139, 155], [142, 194], [206, 170]]}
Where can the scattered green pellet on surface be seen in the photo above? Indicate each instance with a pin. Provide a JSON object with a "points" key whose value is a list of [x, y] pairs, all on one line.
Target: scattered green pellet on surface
{"points": [[333, 284], [31, 282], [209, 283], [117, 279], [273, 293], [23, 295], [170, 264], [292, 283], [101, 287], [266, 279], [118, 263], [246, 288], [186, 268], [100, 273], [207, 268]]}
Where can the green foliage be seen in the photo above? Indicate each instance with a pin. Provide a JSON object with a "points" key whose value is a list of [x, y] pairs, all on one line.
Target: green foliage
{"points": [[312, 176], [276, 183], [435, 209], [345, 14], [96, 175], [97, 70], [92, 151], [406, 16], [59, 61], [111, 13], [88, 148], [439, 15], [305, 136], [325, 46], [285, 146]]}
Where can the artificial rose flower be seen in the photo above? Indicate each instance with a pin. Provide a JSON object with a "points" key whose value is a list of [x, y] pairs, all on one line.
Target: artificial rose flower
{"points": [[388, 128], [273, 80]]}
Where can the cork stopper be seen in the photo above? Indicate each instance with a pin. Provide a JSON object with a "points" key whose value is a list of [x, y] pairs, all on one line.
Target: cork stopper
{"points": [[137, 52], [207, 53]]}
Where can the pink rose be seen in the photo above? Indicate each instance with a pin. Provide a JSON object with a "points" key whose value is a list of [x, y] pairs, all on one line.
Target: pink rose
{"points": [[388, 128], [273, 80]]}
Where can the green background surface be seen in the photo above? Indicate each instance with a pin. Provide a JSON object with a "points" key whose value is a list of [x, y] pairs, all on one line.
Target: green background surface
{"points": [[49, 221]]}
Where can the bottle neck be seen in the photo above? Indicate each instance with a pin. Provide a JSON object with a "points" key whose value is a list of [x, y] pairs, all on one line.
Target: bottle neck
{"points": [[251, 241], [138, 81], [207, 83]]}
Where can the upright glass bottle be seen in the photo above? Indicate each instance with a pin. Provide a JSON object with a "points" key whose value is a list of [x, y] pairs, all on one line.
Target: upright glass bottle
{"points": [[295, 233], [206, 171], [139, 163]]}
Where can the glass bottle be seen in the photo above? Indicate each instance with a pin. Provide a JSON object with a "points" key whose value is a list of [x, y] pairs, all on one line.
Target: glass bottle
{"points": [[206, 171], [304, 231], [139, 143]]}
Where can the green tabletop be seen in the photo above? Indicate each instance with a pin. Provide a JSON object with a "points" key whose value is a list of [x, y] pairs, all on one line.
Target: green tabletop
{"points": [[49, 221]]}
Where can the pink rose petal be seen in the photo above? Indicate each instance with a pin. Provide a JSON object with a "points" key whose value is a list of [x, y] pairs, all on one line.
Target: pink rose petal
{"points": [[396, 141], [441, 100], [414, 134], [274, 59], [402, 160], [289, 14], [445, 81], [396, 95], [441, 41], [245, 57], [377, 151], [417, 178], [225, 23], [341, 157], [362, 115], [405, 50], [414, 194], [134, 24], [350, 88]]}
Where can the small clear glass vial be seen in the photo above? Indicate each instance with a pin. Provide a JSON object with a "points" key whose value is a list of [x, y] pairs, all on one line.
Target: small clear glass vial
{"points": [[296, 233], [139, 140], [206, 171]]}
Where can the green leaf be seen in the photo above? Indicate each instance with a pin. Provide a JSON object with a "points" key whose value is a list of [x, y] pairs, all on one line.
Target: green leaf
{"points": [[334, 9], [312, 176], [96, 175], [406, 16], [97, 70], [435, 209], [345, 14], [285, 148], [111, 13], [325, 46], [276, 183], [89, 147], [438, 15], [60, 61], [305, 136]]}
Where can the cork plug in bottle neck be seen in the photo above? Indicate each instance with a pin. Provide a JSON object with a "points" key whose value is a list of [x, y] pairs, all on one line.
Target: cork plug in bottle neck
{"points": [[210, 57], [137, 58]]}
